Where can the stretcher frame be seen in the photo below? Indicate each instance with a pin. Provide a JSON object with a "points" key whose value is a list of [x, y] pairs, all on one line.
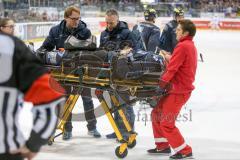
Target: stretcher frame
{"points": [[101, 84]]}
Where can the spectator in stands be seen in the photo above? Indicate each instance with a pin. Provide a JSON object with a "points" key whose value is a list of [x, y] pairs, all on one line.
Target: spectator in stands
{"points": [[238, 11], [44, 16], [7, 26]]}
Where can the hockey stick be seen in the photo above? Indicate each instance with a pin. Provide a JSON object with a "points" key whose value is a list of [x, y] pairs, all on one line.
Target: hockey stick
{"points": [[201, 58]]}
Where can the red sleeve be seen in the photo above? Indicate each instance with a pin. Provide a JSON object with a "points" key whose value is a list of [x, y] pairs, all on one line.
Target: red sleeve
{"points": [[44, 90], [175, 62]]}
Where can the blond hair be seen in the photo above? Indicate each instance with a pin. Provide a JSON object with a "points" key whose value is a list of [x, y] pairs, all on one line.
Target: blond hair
{"points": [[112, 12], [68, 11], [4, 21]]}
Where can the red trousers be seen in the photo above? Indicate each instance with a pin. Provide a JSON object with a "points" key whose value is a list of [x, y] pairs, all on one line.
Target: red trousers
{"points": [[163, 123]]}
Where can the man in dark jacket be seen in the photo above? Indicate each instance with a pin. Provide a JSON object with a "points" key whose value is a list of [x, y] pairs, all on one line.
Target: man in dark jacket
{"points": [[72, 25], [180, 73], [146, 33], [168, 38], [118, 32]]}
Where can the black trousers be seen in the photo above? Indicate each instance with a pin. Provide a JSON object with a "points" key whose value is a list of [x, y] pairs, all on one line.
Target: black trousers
{"points": [[7, 156]]}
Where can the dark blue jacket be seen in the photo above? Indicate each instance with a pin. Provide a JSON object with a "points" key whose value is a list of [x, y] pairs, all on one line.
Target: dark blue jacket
{"points": [[147, 36], [168, 38], [119, 34], [59, 33]]}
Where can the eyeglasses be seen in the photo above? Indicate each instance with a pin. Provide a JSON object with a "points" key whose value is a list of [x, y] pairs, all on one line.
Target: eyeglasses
{"points": [[75, 19], [10, 26]]}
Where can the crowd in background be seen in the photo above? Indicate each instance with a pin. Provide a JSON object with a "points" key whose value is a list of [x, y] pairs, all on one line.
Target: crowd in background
{"points": [[38, 11], [231, 8]]}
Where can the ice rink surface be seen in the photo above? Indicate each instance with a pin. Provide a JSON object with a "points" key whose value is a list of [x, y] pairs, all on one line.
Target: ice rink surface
{"points": [[210, 120]]}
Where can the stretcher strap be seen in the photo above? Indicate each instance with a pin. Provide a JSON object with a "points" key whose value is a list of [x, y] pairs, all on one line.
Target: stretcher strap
{"points": [[80, 72]]}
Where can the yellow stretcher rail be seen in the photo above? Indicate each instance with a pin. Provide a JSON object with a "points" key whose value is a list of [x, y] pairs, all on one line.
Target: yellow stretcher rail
{"points": [[94, 82]]}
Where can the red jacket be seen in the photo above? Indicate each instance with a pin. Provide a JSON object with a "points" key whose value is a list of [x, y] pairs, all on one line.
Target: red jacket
{"points": [[182, 66]]}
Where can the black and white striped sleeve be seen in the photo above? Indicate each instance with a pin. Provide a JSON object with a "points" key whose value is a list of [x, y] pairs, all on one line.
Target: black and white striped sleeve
{"points": [[45, 119]]}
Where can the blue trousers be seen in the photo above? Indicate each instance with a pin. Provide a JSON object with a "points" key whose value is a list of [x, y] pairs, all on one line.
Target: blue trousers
{"points": [[129, 113], [88, 111]]}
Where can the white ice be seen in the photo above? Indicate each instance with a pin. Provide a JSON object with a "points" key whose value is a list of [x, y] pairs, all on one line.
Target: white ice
{"points": [[210, 122]]}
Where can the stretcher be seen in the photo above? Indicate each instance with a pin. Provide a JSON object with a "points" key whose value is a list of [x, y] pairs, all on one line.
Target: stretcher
{"points": [[78, 71]]}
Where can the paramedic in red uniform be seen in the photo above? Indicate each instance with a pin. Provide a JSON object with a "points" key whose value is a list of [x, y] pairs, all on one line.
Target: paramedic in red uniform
{"points": [[180, 73]]}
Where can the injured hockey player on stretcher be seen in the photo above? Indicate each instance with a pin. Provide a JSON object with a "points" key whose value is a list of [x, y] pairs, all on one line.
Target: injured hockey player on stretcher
{"points": [[81, 63]]}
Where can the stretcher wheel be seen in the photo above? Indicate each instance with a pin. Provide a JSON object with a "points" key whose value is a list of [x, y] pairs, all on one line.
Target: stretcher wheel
{"points": [[121, 155], [50, 142], [133, 144]]}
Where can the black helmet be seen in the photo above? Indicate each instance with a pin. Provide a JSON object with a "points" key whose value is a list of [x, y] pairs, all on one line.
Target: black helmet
{"points": [[178, 12], [149, 14]]}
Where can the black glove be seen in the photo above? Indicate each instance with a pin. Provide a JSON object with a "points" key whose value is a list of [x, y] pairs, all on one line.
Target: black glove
{"points": [[41, 51], [165, 86]]}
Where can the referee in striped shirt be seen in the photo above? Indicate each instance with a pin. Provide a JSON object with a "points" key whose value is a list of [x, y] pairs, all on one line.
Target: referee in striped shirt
{"points": [[22, 77]]}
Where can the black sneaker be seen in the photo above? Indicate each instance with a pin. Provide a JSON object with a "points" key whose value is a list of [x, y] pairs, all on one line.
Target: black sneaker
{"points": [[181, 156], [66, 135], [94, 133], [111, 136], [125, 138], [165, 151]]}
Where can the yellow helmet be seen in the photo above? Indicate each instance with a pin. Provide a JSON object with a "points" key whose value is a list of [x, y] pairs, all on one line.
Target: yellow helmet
{"points": [[150, 13], [178, 12]]}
